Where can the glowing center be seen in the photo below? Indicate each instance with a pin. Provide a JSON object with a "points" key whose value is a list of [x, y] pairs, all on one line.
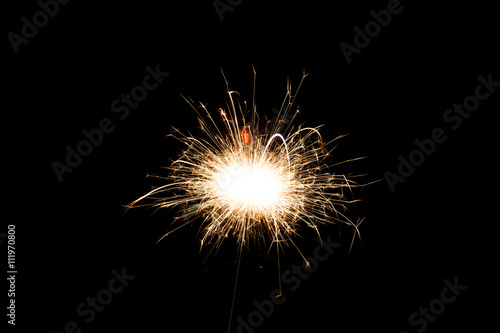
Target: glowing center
{"points": [[251, 185]]}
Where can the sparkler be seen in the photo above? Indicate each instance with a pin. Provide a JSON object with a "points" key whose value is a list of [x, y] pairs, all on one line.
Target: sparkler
{"points": [[253, 181]]}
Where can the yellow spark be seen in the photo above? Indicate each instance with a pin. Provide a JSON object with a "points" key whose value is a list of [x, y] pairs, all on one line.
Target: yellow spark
{"points": [[253, 181], [249, 181]]}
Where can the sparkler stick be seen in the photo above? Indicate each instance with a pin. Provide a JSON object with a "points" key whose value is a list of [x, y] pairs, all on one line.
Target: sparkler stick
{"points": [[250, 183]]}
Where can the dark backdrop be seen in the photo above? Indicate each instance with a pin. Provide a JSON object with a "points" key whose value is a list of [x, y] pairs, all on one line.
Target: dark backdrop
{"points": [[71, 234]]}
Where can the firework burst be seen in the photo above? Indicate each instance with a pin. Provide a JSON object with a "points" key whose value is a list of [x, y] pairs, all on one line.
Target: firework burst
{"points": [[251, 179]]}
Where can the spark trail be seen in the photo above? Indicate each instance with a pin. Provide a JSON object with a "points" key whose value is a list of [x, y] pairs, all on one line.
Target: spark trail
{"points": [[246, 180]]}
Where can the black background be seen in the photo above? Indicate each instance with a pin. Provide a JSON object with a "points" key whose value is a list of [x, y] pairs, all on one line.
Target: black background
{"points": [[437, 225]]}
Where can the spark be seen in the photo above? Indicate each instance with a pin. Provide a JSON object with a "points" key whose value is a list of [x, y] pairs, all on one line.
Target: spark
{"points": [[251, 182], [253, 179]]}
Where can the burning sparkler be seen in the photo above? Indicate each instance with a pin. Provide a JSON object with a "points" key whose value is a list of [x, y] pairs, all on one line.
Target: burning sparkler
{"points": [[249, 181]]}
